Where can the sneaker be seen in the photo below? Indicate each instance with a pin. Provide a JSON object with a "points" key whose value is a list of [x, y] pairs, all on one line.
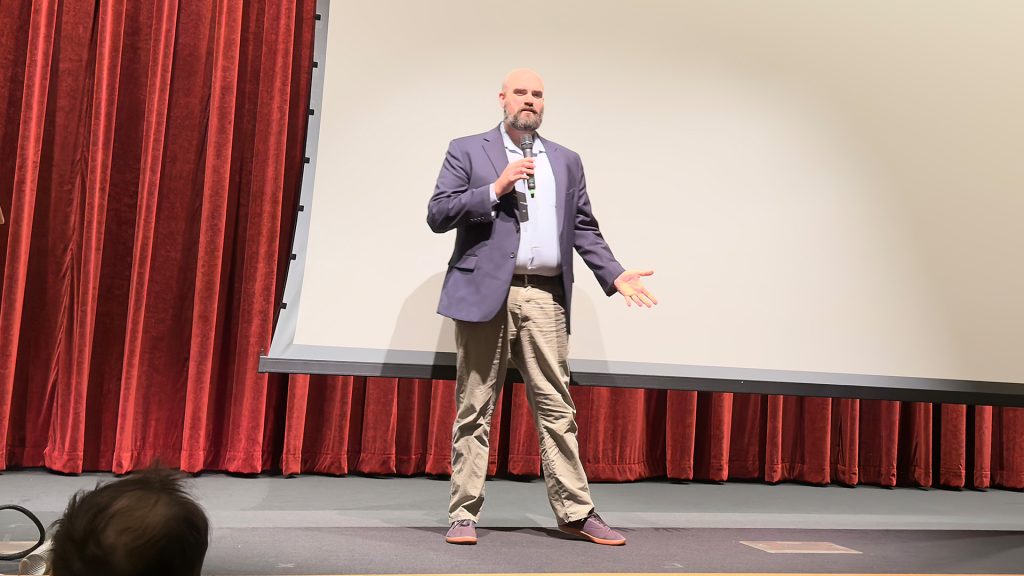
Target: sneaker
{"points": [[595, 529], [461, 532]]}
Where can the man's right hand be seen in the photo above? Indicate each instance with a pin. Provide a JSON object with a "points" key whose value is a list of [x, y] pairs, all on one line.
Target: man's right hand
{"points": [[518, 170]]}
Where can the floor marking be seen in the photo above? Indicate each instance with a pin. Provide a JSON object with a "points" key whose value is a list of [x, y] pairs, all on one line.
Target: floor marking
{"points": [[782, 547]]}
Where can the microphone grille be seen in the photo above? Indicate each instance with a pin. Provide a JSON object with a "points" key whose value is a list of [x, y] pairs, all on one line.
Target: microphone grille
{"points": [[526, 141]]}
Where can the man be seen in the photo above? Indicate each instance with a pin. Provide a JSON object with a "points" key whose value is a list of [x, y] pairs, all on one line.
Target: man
{"points": [[145, 524], [509, 290]]}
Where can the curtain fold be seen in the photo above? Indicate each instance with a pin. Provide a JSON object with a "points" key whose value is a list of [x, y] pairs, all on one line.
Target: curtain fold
{"points": [[150, 161], [680, 437], [953, 446], [210, 287], [146, 337], [845, 452], [37, 31]]}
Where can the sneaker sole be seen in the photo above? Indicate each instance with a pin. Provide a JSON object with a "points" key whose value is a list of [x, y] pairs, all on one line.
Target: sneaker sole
{"points": [[461, 540], [593, 539]]}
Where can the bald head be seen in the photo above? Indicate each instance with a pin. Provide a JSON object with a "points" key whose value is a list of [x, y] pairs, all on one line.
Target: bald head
{"points": [[522, 100], [521, 76]]}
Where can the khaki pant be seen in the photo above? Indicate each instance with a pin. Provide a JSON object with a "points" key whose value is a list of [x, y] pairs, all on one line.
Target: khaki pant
{"points": [[530, 330]]}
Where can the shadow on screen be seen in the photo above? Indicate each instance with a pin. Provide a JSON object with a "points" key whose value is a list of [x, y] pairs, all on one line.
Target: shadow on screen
{"points": [[417, 324], [586, 327]]}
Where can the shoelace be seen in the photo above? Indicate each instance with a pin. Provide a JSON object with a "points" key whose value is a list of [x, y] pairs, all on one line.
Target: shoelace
{"points": [[461, 523]]}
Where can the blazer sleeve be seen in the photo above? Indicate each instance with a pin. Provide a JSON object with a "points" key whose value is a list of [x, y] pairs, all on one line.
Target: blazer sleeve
{"points": [[588, 240], [454, 203]]}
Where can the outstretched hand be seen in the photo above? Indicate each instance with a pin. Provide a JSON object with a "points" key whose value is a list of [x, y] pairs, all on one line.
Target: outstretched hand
{"points": [[632, 289]]}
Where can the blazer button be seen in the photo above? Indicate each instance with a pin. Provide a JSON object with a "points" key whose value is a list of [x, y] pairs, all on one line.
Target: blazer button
{"points": [[512, 255]]}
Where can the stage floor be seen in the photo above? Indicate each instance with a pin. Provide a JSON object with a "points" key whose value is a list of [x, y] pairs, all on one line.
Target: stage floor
{"points": [[357, 525]]}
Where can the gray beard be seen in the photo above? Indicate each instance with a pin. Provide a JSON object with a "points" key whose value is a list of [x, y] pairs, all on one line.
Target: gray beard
{"points": [[524, 124]]}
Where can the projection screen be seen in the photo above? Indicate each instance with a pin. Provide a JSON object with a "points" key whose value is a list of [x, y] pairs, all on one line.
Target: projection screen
{"points": [[830, 193]]}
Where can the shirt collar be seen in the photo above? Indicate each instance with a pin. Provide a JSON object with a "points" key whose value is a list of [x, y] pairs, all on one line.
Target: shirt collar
{"points": [[538, 144]]}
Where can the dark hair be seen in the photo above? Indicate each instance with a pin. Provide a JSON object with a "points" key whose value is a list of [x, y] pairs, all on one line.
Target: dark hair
{"points": [[143, 524]]}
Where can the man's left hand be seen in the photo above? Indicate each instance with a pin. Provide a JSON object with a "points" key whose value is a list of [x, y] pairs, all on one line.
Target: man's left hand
{"points": [[632, 289]]}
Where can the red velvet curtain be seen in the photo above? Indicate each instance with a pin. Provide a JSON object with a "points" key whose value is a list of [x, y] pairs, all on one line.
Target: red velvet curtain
{"points": [[150, 157]]}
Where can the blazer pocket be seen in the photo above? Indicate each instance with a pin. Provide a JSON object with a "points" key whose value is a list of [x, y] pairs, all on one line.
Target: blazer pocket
{"points": [[467, 263]]}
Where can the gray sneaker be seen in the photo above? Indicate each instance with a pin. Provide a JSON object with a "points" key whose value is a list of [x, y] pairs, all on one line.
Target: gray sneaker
{"points": [[595, 529], [461, 532]]}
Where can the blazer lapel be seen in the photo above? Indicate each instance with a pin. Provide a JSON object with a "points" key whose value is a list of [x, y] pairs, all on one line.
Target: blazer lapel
{"points": [[495, 150], [561, 173]]}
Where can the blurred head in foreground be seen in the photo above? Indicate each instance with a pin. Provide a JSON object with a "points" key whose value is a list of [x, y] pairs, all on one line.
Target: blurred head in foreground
{"points": [[145, 524]]}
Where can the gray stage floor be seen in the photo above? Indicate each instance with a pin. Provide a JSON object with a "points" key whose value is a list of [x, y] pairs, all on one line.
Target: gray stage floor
{"points": [[360, 525]]}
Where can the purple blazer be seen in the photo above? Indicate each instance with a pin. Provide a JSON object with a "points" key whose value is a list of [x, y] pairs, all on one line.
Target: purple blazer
{"points": [[480, 269]]}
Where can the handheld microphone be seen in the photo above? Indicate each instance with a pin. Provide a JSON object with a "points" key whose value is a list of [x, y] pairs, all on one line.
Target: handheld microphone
{"points": [[527, 145]]}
